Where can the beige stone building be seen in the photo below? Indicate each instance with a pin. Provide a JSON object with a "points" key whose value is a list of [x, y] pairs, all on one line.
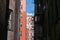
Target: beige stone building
{"points": [[11, 20]]}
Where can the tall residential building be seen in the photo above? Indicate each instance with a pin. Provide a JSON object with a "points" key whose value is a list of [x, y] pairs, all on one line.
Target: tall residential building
{"points": [[23, 20], [27, 20]]}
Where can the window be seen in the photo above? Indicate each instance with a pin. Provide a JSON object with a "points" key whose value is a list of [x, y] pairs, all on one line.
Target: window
{"points": [[32, 27], [20, 24], [20, 7], [35, 18], [20, 33], [20, 15]]}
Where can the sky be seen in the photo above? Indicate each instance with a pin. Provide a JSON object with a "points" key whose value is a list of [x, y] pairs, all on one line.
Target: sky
{"points": [[30, 6]]}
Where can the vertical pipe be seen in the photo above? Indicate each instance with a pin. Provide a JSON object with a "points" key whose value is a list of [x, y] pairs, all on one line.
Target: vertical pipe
{"points": [[16, 28]]}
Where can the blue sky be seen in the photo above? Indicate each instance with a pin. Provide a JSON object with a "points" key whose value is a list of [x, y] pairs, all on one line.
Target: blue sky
{"points": [[30, 6]]}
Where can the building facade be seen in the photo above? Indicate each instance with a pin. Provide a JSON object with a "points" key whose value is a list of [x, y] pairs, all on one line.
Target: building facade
{"points": [[22, 19], [27, 20]]}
